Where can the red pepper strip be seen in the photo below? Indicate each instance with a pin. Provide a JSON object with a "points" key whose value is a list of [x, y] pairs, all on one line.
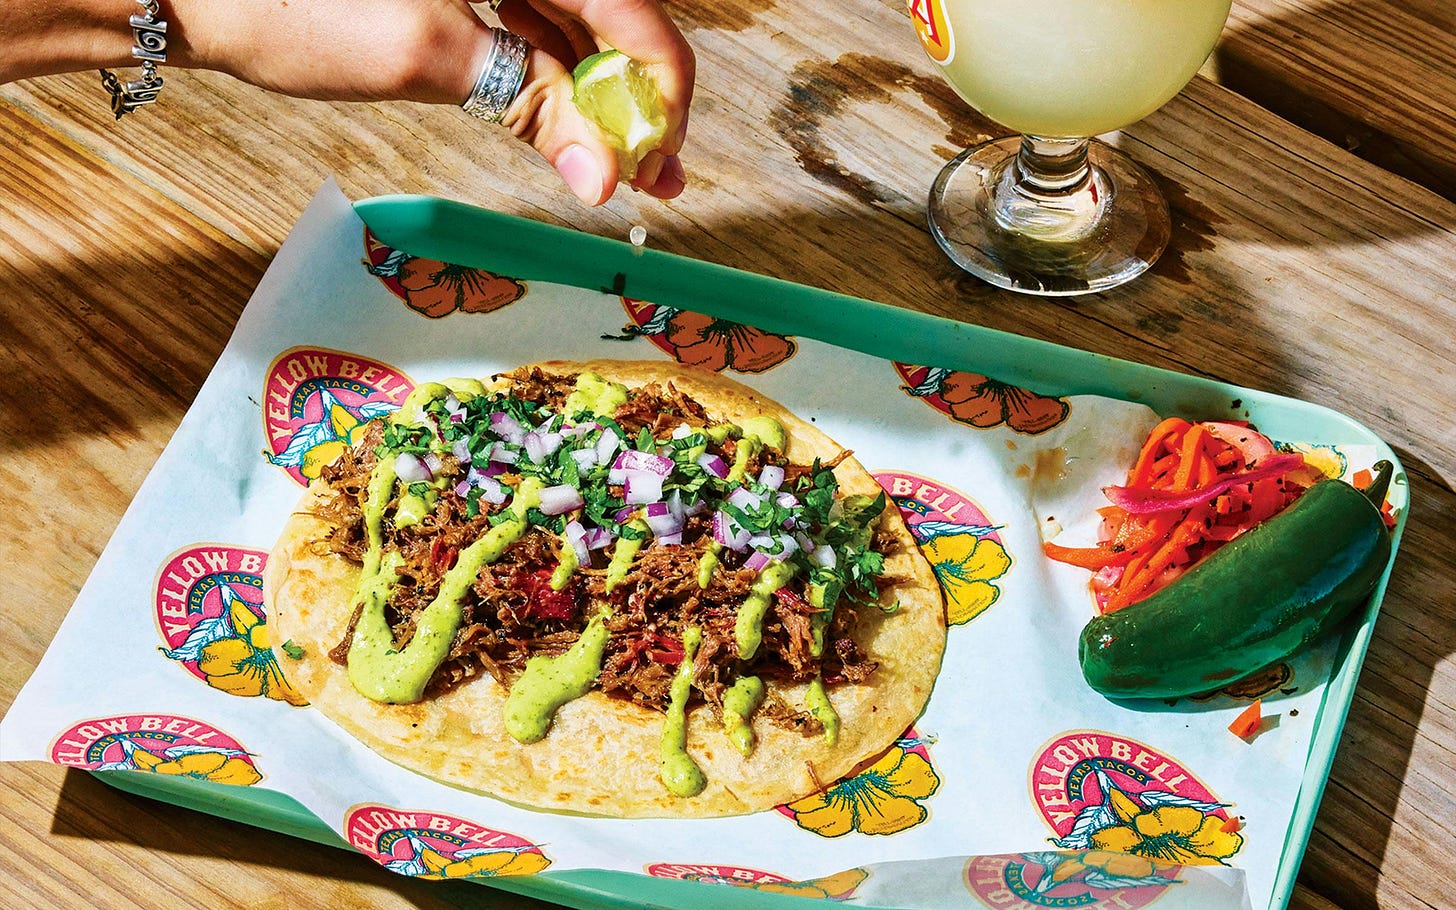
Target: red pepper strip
{"points": [[1143, 471], [1247, 723], [1141, 501]]}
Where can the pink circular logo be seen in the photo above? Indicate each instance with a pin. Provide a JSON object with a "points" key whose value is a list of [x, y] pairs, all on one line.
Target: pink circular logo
{"points": [[960, 541], [436, 845], [209, 611], [159, 743], [725, 875], [317, 403]]}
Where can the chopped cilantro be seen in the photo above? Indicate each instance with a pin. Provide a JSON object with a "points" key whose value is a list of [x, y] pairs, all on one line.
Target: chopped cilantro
{"points": [[292, 650]]}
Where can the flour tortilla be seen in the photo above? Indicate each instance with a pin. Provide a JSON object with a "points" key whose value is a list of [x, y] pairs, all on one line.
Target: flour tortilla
{"points": [[601, 754]]}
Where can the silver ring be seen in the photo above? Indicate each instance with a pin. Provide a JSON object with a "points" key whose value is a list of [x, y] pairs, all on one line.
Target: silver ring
{"points": [[500, 79]]}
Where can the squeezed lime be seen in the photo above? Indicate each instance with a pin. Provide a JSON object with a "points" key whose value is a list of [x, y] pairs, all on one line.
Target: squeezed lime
{"points": [[616, 93]]}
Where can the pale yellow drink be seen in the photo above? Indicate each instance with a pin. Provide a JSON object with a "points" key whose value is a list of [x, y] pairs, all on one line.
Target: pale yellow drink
{"points": [[1068, 67]]}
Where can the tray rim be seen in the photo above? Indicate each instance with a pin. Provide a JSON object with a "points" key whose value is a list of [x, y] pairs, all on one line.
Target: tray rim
{"points": [[455, 232]]}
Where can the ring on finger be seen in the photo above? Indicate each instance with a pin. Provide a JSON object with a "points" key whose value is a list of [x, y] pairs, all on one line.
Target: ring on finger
{"points": [[500, 78]]}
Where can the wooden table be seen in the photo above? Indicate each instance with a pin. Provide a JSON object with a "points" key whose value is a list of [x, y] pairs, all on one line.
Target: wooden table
{"points": [[127, 251]]}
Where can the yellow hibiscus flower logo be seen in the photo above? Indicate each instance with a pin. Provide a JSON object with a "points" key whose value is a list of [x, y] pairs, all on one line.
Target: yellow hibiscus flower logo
{"points": [[1155, 825], [427, 861], [1170, 834], [234, 652], [219, 766], [966, 563], [837, 887], [881, 799]]}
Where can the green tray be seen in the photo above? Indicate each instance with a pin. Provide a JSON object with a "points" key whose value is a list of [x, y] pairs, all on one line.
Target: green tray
{"points": [[464, 235]]}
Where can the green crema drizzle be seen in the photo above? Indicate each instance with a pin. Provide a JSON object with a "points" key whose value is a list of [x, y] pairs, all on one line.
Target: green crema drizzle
{"points": [[376, 669], [817, 701], [680, 774], [739, 703], [748, 624], [550, 682]]}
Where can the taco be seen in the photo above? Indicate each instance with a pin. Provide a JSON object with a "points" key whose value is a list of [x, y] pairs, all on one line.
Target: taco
{"points": [[607, 588]]}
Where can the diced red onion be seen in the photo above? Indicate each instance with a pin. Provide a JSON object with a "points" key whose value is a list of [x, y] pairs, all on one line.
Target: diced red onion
{"points": [[683, 431], [672, 539], [411, 468], [714, 464], [823, 556], [507, 427], [578, 430], [541, 446], [727, 532], [461, 450], [787, 500], [495, 469], [745, 499], [462, 488], [458, 417], [585, 459], [642, 487], [607, 444], [665, 524], [656, 510], [624, 515], [452, 404], [675, 504], [597, 538], [500, 453], [772, 476], [1142, 502], [561, 498], [491, 491], [757, 561], [632, 461], [697, 507], [433, 462], [803, 541], [576, 536]]}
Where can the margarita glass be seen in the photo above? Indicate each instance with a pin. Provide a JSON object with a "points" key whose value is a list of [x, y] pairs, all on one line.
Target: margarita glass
{"points": [[1051, 211]]}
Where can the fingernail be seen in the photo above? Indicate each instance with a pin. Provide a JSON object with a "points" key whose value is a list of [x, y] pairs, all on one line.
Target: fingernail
{"points": [[649, 167], [578, 167]]}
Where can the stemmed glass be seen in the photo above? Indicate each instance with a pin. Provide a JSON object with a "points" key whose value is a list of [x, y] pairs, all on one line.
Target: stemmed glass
{"points": [[1052, 211]]}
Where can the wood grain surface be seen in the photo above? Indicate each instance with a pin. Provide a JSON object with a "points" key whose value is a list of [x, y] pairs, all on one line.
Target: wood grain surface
{"points": [[1377, 77], [128, 249]]}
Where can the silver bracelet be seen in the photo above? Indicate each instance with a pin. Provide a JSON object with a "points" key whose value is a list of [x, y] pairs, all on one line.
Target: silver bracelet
{"points": [[149, 32]]}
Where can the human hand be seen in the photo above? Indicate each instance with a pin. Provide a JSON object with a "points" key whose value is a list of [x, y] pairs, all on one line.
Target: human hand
{"points": [[379, 50]]}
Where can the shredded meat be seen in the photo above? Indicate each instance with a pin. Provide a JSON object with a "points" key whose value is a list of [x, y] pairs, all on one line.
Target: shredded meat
{"points": [[510, 611]]}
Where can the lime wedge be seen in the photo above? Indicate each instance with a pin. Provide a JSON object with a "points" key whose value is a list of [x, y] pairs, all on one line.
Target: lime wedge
{"points": [[614, 91]]}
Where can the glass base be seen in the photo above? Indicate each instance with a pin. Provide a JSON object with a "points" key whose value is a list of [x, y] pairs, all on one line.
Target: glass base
{"points": [[1097, 235]]}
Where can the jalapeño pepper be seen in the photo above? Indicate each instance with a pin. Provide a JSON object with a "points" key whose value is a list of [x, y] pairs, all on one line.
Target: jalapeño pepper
{"points": [[1254, 602]]}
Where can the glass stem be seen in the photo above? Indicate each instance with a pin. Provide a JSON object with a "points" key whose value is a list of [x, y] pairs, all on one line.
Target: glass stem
{"points": [[1050, 192]]}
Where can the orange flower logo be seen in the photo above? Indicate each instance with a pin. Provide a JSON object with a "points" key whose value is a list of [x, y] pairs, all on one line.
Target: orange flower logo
{"points": [[706, 342], [436, 289], [982, 402]]}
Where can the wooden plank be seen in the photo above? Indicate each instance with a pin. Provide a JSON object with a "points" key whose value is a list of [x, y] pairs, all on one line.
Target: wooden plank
{"points": [[1378, 77], [116, 303]]}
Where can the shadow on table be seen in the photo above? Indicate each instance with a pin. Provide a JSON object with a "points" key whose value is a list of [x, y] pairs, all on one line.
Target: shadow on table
{"points": [[1330, 68], [88, 808]]}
